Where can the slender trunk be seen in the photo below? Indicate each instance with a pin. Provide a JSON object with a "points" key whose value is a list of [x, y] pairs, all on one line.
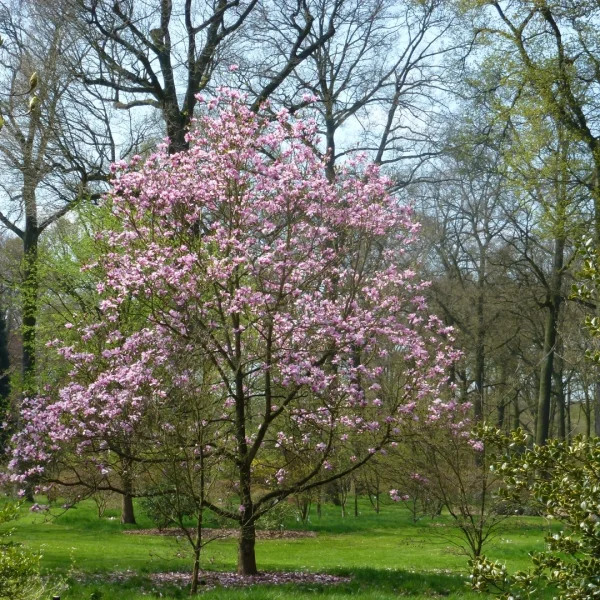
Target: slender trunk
{"points": [[559, 388], [197, 550], [597, 407], [30, 303], [501, 414], [4, 378], [247, 540], [355, 500], [4, 358], [588, 414], [195, 572], [569, 412], [596, 198], [550, 336], [516, 412], [478, 403]]}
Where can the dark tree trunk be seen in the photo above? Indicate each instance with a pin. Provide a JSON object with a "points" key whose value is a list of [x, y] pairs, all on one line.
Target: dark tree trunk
{"points": [[177, 128], [247, 550], [550, 336], [559, 390], [127, 512], [197, 550], [4, 378], [478, 401], [588, 412], [597, 408], [516, 412], [501, 414], [195, 572], [247, 539], [569, 412], [30, 303]]}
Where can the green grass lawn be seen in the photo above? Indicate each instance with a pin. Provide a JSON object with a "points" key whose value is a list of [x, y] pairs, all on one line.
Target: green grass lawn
{"points": [[387, 555]]}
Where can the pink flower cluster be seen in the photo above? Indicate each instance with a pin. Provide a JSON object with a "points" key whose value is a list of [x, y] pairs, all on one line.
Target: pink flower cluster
{"points": [[241, 252]]}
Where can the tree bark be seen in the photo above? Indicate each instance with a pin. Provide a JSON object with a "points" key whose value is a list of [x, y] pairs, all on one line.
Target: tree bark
{"points": [[197, 550], [4, 377], [516, 412], [478, 402], [559, 389], [550, 336], [127, 511], [596, 408], [247, 550], [30, 300]]}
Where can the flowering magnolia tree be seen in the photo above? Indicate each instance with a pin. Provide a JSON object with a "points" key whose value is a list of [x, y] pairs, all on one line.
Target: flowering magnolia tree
{"points": [[239, 253]]}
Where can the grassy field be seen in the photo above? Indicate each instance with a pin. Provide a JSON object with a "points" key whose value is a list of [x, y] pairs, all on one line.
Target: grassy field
{"points": [[386, 555]]}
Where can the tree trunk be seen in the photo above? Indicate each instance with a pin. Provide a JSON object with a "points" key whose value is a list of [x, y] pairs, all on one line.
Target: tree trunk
{"points": [[30, 304], [195, 572], [559, 388], [550, 336], [516, 412], [177, 126], [197, 550], [588, 412], [247, 550], [597, 408], [501, 414], [127, 513], [4, 378], [479, 359], [569, 412]]}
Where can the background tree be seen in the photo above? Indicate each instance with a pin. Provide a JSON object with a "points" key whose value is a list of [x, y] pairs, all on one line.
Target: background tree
{"points": [[49, 165]]}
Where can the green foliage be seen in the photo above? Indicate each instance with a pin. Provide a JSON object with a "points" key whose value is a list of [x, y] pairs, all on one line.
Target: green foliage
{"points": [[166, 508], [561, 480], [20, 569], [586, 290], [278, 516]]}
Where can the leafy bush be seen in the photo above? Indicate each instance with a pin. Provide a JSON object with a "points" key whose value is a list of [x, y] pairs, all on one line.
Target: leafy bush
{"points": [[277, 516], [20, 569], [562, 481], [165, 508], [516, 508]]}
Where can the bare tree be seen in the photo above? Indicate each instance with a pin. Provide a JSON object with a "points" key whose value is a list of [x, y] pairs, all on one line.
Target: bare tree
{"points": [[161, 54], [52, 154], [373, 81]]}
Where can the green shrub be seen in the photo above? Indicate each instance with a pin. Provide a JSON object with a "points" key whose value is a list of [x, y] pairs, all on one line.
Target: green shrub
{"points": [[562, 481], [165, 508], [20, 577]]}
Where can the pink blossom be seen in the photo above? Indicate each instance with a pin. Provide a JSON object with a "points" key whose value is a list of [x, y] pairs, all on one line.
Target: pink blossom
{"points": [[268, 293]]}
